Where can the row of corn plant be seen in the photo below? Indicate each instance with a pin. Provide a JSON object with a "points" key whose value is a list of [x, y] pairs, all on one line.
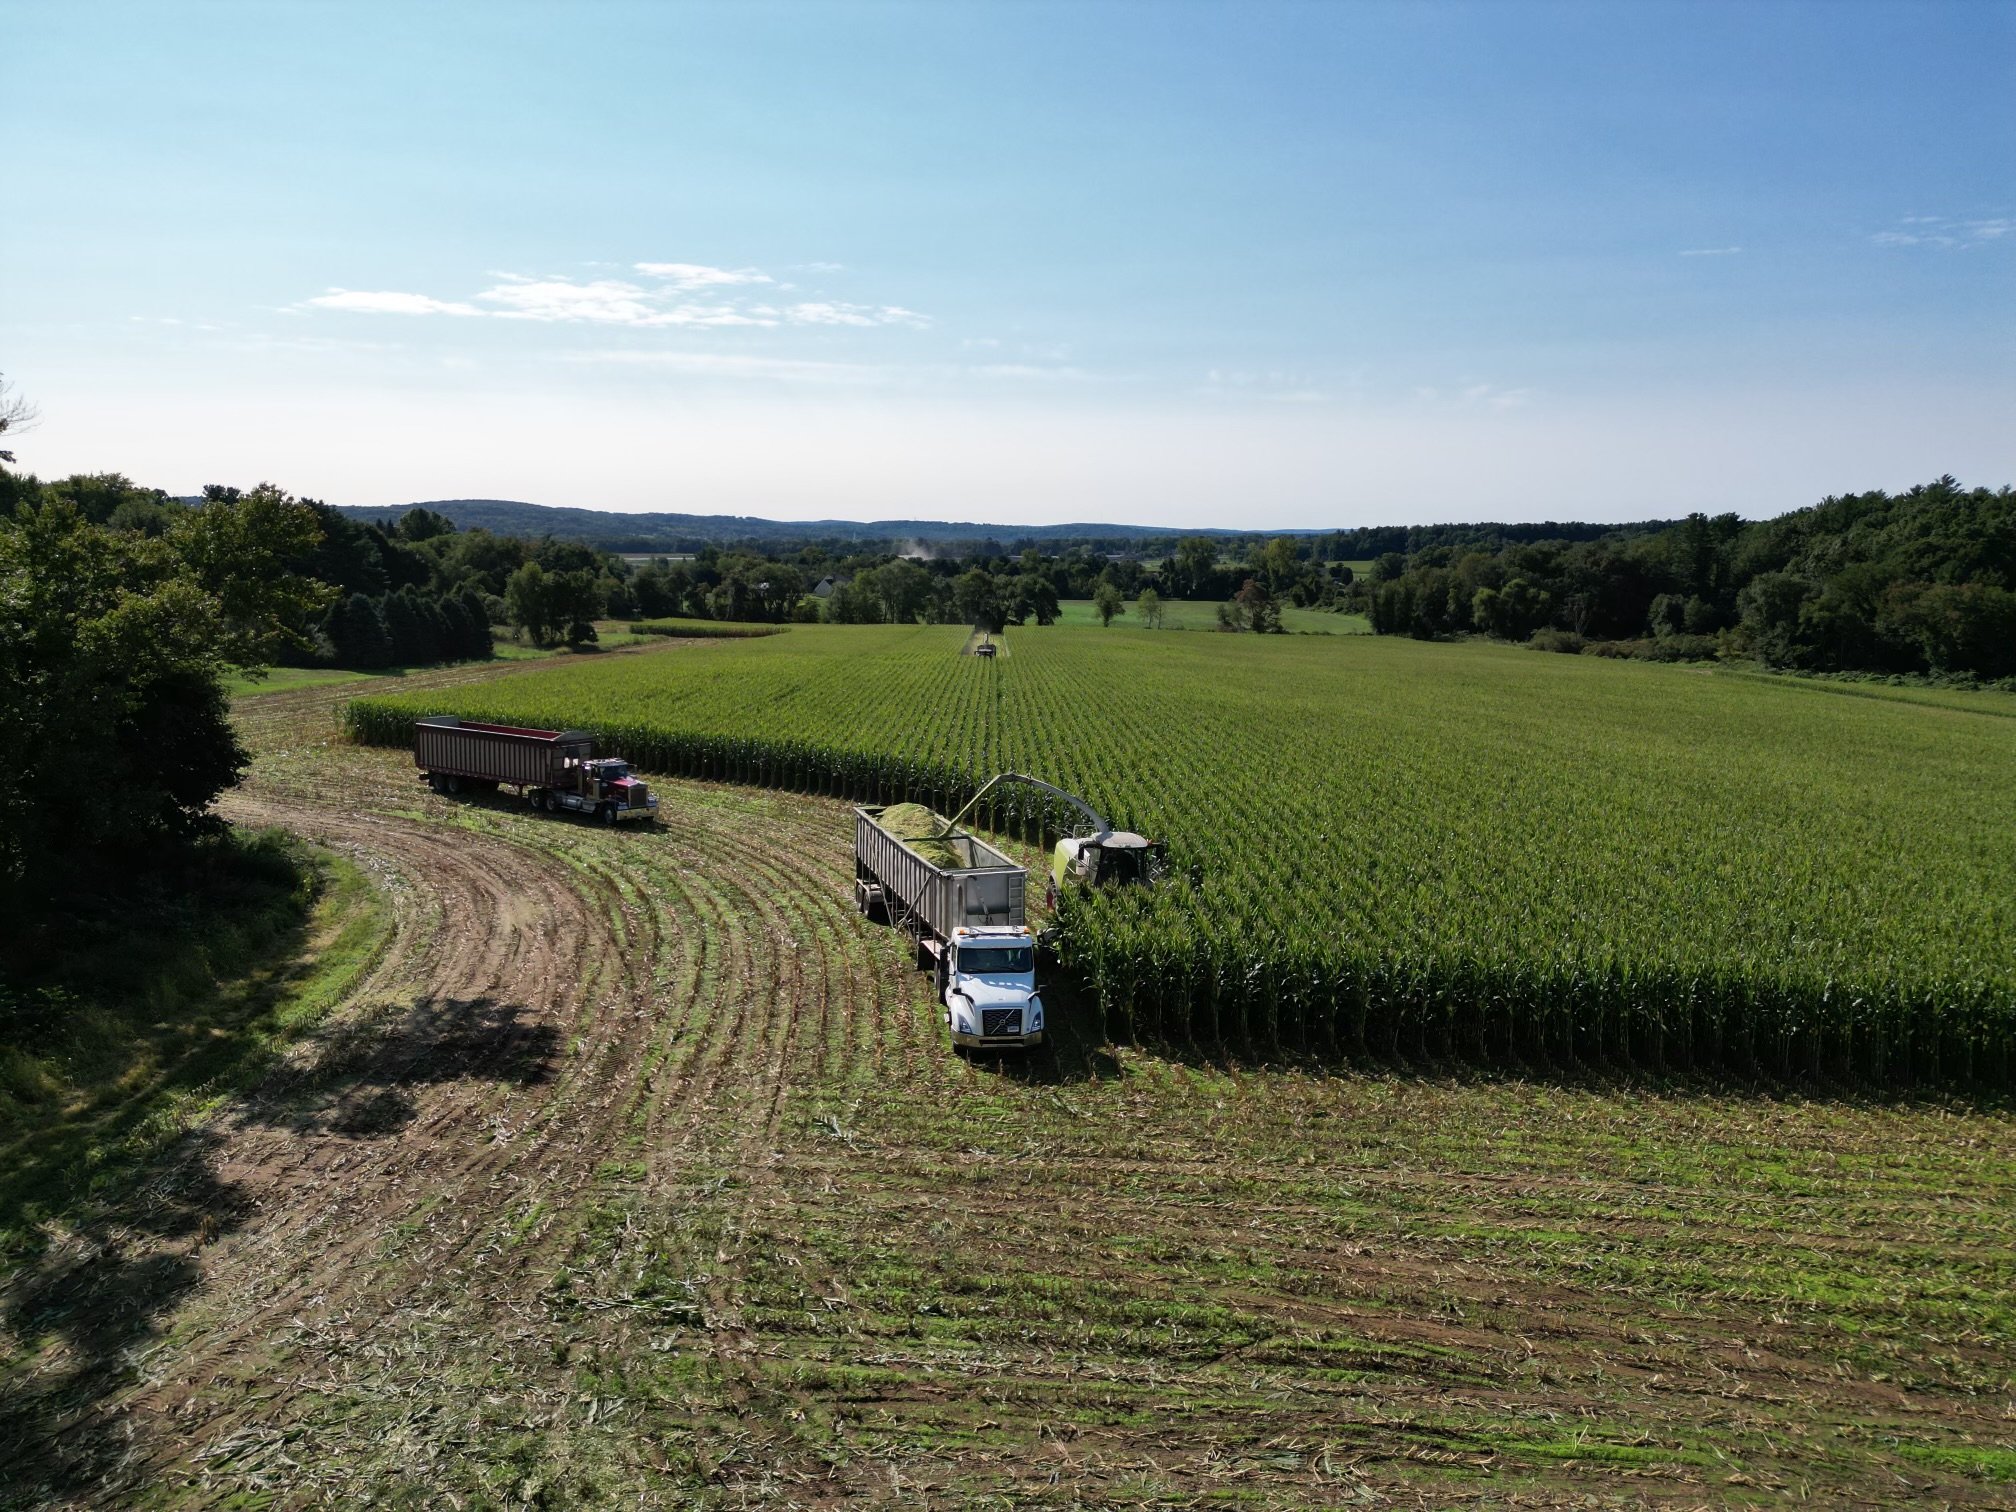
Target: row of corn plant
{"points": [[1390, 851]]}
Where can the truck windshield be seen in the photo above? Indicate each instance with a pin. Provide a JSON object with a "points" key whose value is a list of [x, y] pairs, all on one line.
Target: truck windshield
{"points": [[983, 960], [615, 771]]}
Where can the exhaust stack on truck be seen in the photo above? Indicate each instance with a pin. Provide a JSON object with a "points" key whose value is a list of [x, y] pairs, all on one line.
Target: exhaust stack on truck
{"points": [[554, 769], [962, 901]]}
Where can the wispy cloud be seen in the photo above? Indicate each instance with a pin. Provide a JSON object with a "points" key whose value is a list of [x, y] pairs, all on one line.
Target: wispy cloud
{"points": [[800, 370], [1711, 251], [608, 301], [385, 302], [700, 276], [676, 295], [1945, 231], [828, 313]]}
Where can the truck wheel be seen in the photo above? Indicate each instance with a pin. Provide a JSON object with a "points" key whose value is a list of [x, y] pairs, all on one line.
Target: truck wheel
{"points": [[452, 783], [434, 782], [605, 814], [549, 803]]}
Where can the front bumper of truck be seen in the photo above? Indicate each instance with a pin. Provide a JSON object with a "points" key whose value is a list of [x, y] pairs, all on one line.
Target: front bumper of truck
{"points": [[997, 1042], [995, 1027]]}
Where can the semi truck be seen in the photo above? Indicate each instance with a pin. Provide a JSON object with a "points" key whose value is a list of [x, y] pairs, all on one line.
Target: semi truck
{"points": [[556, 770], [969, 925]]}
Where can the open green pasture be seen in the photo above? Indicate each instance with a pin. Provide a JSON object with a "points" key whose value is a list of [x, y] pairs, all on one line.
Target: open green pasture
{"points": [[610, 635], [1201, 614], [1396, 851]]}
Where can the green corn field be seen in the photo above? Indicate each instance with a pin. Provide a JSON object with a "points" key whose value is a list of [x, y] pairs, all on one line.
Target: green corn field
{"points": [[1392, 851]]}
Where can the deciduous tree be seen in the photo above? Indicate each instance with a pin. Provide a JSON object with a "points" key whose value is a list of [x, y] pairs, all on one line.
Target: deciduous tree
{"points": [[1107, 603]]}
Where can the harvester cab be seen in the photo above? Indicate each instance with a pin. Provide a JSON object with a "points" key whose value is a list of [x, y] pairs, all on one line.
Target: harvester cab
{"points": [[1116, 858]]}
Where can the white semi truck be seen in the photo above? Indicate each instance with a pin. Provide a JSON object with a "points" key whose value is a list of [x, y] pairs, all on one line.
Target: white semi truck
{"points": [[969, 924]]}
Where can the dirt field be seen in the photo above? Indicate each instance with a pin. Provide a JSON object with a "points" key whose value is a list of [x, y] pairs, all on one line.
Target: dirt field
{"points": [[637, 1171]]}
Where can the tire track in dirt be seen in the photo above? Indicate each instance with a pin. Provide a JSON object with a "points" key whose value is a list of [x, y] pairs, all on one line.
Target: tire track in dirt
{"points": [[451, 1020], [325, 1204], [569, 934]]}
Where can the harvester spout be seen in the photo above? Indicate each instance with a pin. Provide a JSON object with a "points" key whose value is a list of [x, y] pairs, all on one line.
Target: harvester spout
{"points": [[1100, 828]]}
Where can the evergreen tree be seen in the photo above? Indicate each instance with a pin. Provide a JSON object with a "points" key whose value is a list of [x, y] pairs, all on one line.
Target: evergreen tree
{"points": [[356, 629], [406, 623], [475, 643]]}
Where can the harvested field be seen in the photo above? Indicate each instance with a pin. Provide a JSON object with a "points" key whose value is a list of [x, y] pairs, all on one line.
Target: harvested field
{"points": [[637, 1172]]}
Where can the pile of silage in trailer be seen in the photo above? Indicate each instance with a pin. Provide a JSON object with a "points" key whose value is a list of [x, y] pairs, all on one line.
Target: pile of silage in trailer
{"points": [[922, 830]]}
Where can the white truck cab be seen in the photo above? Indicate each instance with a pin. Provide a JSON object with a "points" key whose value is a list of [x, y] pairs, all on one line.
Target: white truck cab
{"points": [[989, 980]]}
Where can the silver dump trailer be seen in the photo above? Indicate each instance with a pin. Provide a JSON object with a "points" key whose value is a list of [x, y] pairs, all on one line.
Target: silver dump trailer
{"points": [[969, 924], [555, 769]]}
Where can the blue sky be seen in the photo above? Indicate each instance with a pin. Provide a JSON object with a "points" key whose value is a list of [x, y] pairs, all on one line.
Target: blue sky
{"points": [[1244, 264]]}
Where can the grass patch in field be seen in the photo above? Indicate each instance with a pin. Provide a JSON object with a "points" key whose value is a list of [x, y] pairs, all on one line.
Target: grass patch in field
{"points": [[1974, 1460], [699, 629], [134, 1013], [1202, 614], [282, 679], [611, 635]]}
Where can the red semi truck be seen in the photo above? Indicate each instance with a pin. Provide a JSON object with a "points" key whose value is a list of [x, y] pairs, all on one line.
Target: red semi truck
{"points": [[554, 769]]}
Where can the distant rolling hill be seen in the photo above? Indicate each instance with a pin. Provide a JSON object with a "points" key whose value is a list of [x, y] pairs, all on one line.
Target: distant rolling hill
{"points": [[607, 530], [688, 532]]}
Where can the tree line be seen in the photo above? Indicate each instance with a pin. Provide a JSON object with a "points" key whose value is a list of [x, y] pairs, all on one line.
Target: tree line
{"points": [[1920, 582], [115, 638]]}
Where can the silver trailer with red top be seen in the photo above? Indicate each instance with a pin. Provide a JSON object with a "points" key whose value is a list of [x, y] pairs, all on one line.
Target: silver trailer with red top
{"points": [[556, 770]]}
